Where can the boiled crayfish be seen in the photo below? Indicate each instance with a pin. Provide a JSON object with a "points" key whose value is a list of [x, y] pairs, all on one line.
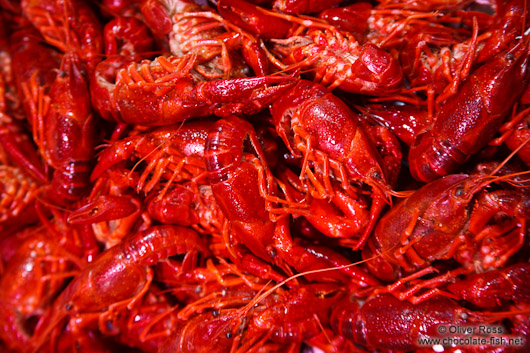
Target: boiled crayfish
{"points": [[244, 176]]}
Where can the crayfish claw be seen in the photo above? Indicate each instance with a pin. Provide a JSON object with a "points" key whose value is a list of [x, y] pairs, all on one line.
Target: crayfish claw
{"points": [[245, 96]]}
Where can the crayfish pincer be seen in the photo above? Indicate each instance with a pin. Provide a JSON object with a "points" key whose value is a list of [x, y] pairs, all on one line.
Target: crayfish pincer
{"points": [[68, 133], [334, 145], [169, 90], [245, 189], [118, 278]]}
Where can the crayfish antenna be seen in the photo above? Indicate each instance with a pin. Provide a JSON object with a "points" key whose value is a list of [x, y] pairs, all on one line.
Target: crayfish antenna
{"points": [[491, 177], [490, 317], [401, 194], [509, 157], [262, 294], [303, 20]]}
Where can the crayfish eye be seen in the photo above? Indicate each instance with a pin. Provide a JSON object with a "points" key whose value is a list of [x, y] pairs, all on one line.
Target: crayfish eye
{"points": [[109, 325], [459, 191], [510, 57], [376, 175], [228, 335], [215, 313], [68, 307], [62, 73], [272, 252]]}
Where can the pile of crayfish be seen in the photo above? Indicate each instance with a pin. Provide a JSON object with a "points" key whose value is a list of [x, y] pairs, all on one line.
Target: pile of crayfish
{"points": [[264, 176]]}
